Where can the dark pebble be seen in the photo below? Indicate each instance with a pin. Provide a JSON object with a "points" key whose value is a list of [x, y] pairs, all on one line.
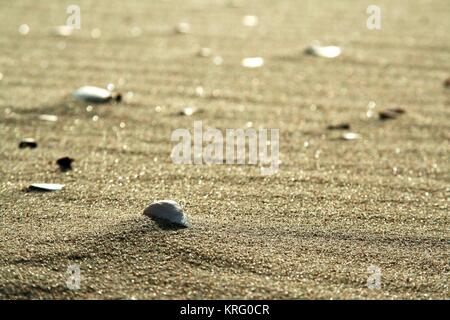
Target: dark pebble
{"points": [[65, 164], [392, 113], [340, 126], [447, 83]]}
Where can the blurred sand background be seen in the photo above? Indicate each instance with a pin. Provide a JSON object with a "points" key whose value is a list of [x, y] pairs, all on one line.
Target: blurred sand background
{"points": [[311, 231]]}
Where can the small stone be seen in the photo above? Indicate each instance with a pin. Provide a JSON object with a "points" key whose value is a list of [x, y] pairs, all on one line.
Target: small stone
{"points": [[323, 51], [28, 143], [45, 187], [65, 164], [167, 210], [340, 126], [254, 62], [390, 114], [447, 83]]}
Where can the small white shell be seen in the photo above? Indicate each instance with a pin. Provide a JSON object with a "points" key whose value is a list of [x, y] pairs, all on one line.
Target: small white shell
{"points": [[48, 117], [255, 62], [92, 94], [324, 52], [47, 186], [350, 136], [167, 210], [250, 21], [183, 28], [63, 30]]}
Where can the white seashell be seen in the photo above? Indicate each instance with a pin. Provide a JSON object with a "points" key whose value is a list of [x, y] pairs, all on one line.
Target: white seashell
{"points": [[350, 136], [324, 52], [255, 62], [250, 21], [188, 111], [167, 210], [24, 29], [48, 117], [95, 95], [183, 28], [46, 186], [63, 31], [205, 52]]}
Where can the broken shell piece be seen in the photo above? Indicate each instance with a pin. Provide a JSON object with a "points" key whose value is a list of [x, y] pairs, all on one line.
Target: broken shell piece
{"points": [[65, 164], [45, 187], [183, 28], [205, 52], [348, 136], [188, 111], [340, 126], [167, 210], [250, 21], [48, 117], [255, 62], [28, 143], [324, 52], [96, 95], [390, 113], [63, 31], [24, 29]]}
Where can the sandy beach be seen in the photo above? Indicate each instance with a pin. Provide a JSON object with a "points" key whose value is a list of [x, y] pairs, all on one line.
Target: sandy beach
{"points": [[335, 209]]}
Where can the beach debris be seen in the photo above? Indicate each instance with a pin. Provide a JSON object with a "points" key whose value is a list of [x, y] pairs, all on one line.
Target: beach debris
{"points": [[349, 136], [45, 187], [188, 111], [63, 30], [183, 28], [390, 114], [370, 109], [48, 117], [1, 76], [96, 33], [323, 51], [205, 52], [65, 163], [254, 62], [217, 60], [24, 29], [93, 94], [339, 126], [250, 21], [447, 83], [28, 143], [135, 32], [167, 210]]}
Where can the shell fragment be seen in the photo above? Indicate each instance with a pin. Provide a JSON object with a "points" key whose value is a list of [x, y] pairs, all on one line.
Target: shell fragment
{"points": [[255, 62], [95, 95], [46, 187], [323, 51]]}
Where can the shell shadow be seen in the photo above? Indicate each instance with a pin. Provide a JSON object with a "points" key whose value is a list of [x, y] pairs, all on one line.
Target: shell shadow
{"points": [[167, 225]]}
